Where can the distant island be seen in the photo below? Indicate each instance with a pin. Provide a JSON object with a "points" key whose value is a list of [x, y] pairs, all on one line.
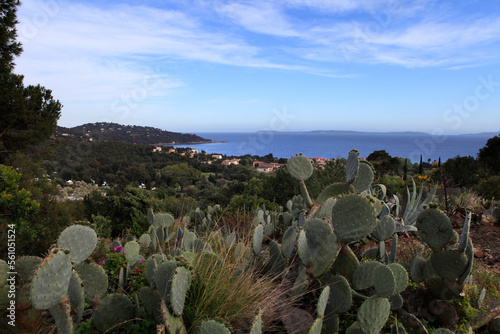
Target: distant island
{"points": [[399, 133], [132, 134]]}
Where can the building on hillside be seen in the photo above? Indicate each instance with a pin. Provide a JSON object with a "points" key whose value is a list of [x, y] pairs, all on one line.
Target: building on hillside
{"points": [[265, 168], [318, 162], [171, 150], [217, 156], [228, 162], [157, 149], [257, 163]]}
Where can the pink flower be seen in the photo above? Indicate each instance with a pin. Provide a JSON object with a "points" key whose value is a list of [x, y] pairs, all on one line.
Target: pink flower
{"points": [[118, 248], [102, 262], [142, 260]]}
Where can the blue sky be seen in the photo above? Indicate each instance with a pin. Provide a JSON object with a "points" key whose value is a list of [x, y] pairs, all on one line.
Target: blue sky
{"points": [[295, 65]]}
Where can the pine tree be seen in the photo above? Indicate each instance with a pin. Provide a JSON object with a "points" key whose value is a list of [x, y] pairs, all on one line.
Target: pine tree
{"points": [[9, 47], [28, 115]]}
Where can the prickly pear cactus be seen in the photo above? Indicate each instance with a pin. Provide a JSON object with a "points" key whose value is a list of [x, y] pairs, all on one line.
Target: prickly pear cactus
{"points": [[80, 240], [364, 177], [299, 167], [257, 324], [95, 281], [317, 246], [373, 314], [111, 311], [181, 282], [448, 264], [353, 218], [212, 327], [352, 166], [76, 297], [51, 281], [434, 228], [258, 236]]}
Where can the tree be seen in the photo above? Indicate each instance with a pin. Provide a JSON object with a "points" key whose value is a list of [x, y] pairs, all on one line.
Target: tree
{"points": [[464, 171], [490, 154], [28, 114], [9, 48], [383, 163]]}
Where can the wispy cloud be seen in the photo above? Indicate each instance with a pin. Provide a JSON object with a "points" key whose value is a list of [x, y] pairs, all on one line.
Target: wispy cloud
{"points": [[99, 53]]}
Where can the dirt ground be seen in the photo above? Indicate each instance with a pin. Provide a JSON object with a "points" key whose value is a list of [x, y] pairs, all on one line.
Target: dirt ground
{"points": [[485, 235]]}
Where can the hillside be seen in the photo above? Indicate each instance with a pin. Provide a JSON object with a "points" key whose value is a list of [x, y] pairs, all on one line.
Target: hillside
{"points": [[127, 134]]}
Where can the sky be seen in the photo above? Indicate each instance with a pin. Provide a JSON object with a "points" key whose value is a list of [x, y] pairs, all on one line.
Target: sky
{"points": [[279, 65]]}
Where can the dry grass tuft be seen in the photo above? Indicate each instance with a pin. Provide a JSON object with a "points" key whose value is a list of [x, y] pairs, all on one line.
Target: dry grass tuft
{"points": [[225, 287]]}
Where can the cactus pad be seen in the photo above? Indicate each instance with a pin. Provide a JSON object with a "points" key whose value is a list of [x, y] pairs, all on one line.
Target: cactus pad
{"points": [[301, 282], [340, 300], [163, 277], [145, 239], [353, 218], [173, 324], [443, 331], [258, 236], [151, 216], [434, 228], [131, 250], [469, 252], [325, 211], [299, 167], [400, 275], [385, 228], [51, 281], [112, 310], [212, 327], [322, 302], [335, 190], [188, 240], [316, 327], [385, 282], [80, 240], [76, 297], [364, 177], [163, 220], [180, 287], [288, 241], [449, 265], [95, 281], [352, 166], [354, 329], [61, 314], [364, 275], [417, 266], [346, 262], [257, 324], [396, 302], [317, 246], [373, 314]]}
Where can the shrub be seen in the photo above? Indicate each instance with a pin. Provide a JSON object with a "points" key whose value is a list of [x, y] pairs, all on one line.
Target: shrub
{"points": [[490, 187]]}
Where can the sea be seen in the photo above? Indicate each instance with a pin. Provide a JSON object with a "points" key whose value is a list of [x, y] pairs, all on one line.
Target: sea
{"points": [[338, 144]]}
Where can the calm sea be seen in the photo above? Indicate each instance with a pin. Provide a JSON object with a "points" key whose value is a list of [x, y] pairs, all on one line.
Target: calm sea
{"points": [[334, 145]]}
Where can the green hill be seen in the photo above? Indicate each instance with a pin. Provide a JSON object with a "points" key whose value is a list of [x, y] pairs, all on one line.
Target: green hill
{"points": [[127, 133]]}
